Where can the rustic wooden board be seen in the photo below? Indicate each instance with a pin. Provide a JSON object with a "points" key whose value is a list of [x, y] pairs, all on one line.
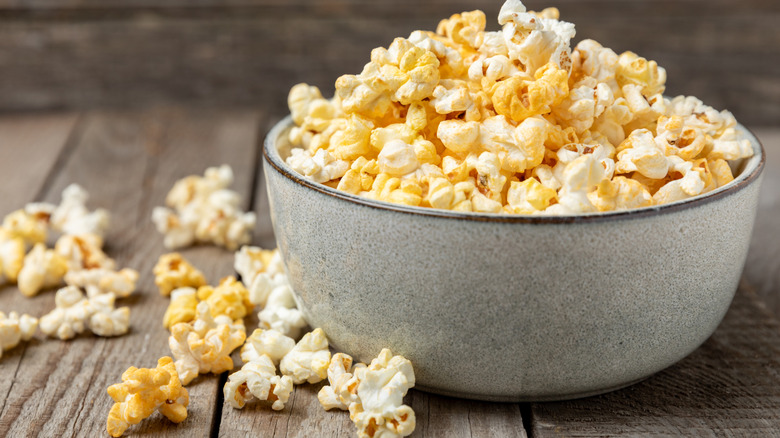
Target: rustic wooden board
{"points": [[140, 156], [87, 53], [728, 387]]}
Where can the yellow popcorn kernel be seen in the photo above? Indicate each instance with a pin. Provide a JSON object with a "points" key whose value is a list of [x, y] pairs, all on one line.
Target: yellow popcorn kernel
{"points": [[298, 100], [721, 171], [519, 99], [173, 271], [83, 252], [591, 59], [143, 391], [620, 193], [633, 69], [557, 137], [360, 177], [441, 193], [418, 71], [548, 13], [459, 136], [408, 193], [182, 308], [529, 196], [426, 152], [416, 117], [229, 298], [466, 28], [11, 257], [43, 268], [353, 140], [31, 229], [397, 131], [357, 96]]}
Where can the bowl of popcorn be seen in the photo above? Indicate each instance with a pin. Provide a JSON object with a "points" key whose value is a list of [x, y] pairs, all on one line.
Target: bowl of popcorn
{"points": [[521, 218]]}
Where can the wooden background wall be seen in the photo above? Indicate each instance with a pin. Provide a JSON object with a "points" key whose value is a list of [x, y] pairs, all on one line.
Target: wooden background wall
{"points": [[130, 53]]}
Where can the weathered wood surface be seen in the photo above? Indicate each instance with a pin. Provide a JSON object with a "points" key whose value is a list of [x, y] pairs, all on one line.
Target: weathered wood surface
{"points": [[128, 160], [119, 53]]}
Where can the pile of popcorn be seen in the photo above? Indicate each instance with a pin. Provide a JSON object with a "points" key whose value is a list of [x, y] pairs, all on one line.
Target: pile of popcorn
{"points": [[92, 281], [512, 121], [201, 209]]}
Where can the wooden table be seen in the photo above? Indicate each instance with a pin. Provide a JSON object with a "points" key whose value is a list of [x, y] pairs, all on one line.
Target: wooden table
{"points": [[129, 160]]}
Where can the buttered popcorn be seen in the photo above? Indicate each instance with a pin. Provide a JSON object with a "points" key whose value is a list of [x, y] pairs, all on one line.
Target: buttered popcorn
{"points": [[512, 121]]}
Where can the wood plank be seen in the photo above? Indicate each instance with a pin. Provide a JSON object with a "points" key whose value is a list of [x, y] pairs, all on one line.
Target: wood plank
{"points": [[728, 387], [82, 54], [128, 162], [762, 268]]}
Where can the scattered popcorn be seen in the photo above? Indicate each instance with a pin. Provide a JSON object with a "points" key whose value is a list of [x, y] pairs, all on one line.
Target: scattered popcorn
{"points": [[11, 258], [280, 310], [229, 298], [258, 379], [14, 329], [343, 379], [415, 125], [43, 268], [205, 345], [252, 260], [31, 228], [98, 281], [308, 360], [379, 410], [172, 271], [183, 307], [270, 343], [143, 391], [204, 210], [73, 217], [75, 313]]}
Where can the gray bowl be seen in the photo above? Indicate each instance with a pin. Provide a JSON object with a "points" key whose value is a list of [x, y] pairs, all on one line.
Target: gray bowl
{"points": [[512, 308]]}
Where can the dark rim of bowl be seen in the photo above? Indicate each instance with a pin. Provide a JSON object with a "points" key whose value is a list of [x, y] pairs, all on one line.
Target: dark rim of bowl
{"points": [[738, 184]]}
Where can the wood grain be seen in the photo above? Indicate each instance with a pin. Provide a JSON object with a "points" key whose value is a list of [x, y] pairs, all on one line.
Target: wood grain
{"points": [[728, 387], [88, 53], [141, 156]]}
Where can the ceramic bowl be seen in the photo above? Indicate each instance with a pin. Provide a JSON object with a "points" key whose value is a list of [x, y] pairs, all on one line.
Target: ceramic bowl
{"points": [[512, 308]]}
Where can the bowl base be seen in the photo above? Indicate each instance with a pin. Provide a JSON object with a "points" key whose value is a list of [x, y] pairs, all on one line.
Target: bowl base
{"points": [[528, 398]]}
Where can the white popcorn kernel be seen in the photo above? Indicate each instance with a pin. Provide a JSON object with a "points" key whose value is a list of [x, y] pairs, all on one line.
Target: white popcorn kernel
{"points": [[71, 315], [73, 217], [99, 281], [270, 343], [397, 158], [11, 259], [343, 379], [308, 360], [83, 252], [639, 153], [105, 320], [258, 379], [14, 329], [380, 407]]}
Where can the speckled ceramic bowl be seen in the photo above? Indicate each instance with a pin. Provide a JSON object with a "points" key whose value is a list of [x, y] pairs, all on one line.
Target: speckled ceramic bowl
{"points": [[512, 308]]}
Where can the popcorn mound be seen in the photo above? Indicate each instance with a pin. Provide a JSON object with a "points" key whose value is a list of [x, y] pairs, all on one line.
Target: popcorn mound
{"points": [[512, 121]]}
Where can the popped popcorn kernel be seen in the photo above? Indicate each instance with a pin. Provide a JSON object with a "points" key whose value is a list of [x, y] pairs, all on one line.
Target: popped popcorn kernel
{"points": [[343, 381], [308, 360], [258, 379], [83, 252], [173, 271], [14, 329], [98, 281], [205, 345], [144, 391], [182, 308], [11, 258], [229, 298], [74, 313], [30, 228], [411, 126], [42, 268], [271, 343], [73, 217]]}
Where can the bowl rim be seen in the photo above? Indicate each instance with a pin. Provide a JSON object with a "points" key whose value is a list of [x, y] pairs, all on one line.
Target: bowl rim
{"points": [[752, 170]]}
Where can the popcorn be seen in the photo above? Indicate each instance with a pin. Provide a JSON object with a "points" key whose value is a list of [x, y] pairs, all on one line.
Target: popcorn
{"points": [[308, 360], [73, 217], [205, 345], [270, 343], [14, 329], [413, 126], [42, 268], [183, 307], [279, 308], [204, 211], [143, 391], [229, 298], [379, 410], [11, 258], [83, 252], [32, 229], [75, 313], [258, 379], [99, 281], [343, 379], [173, 271], [252, 260]]}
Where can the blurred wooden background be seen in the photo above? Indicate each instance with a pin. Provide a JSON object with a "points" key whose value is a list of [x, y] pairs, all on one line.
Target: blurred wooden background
{"points": [[80, 54]]}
